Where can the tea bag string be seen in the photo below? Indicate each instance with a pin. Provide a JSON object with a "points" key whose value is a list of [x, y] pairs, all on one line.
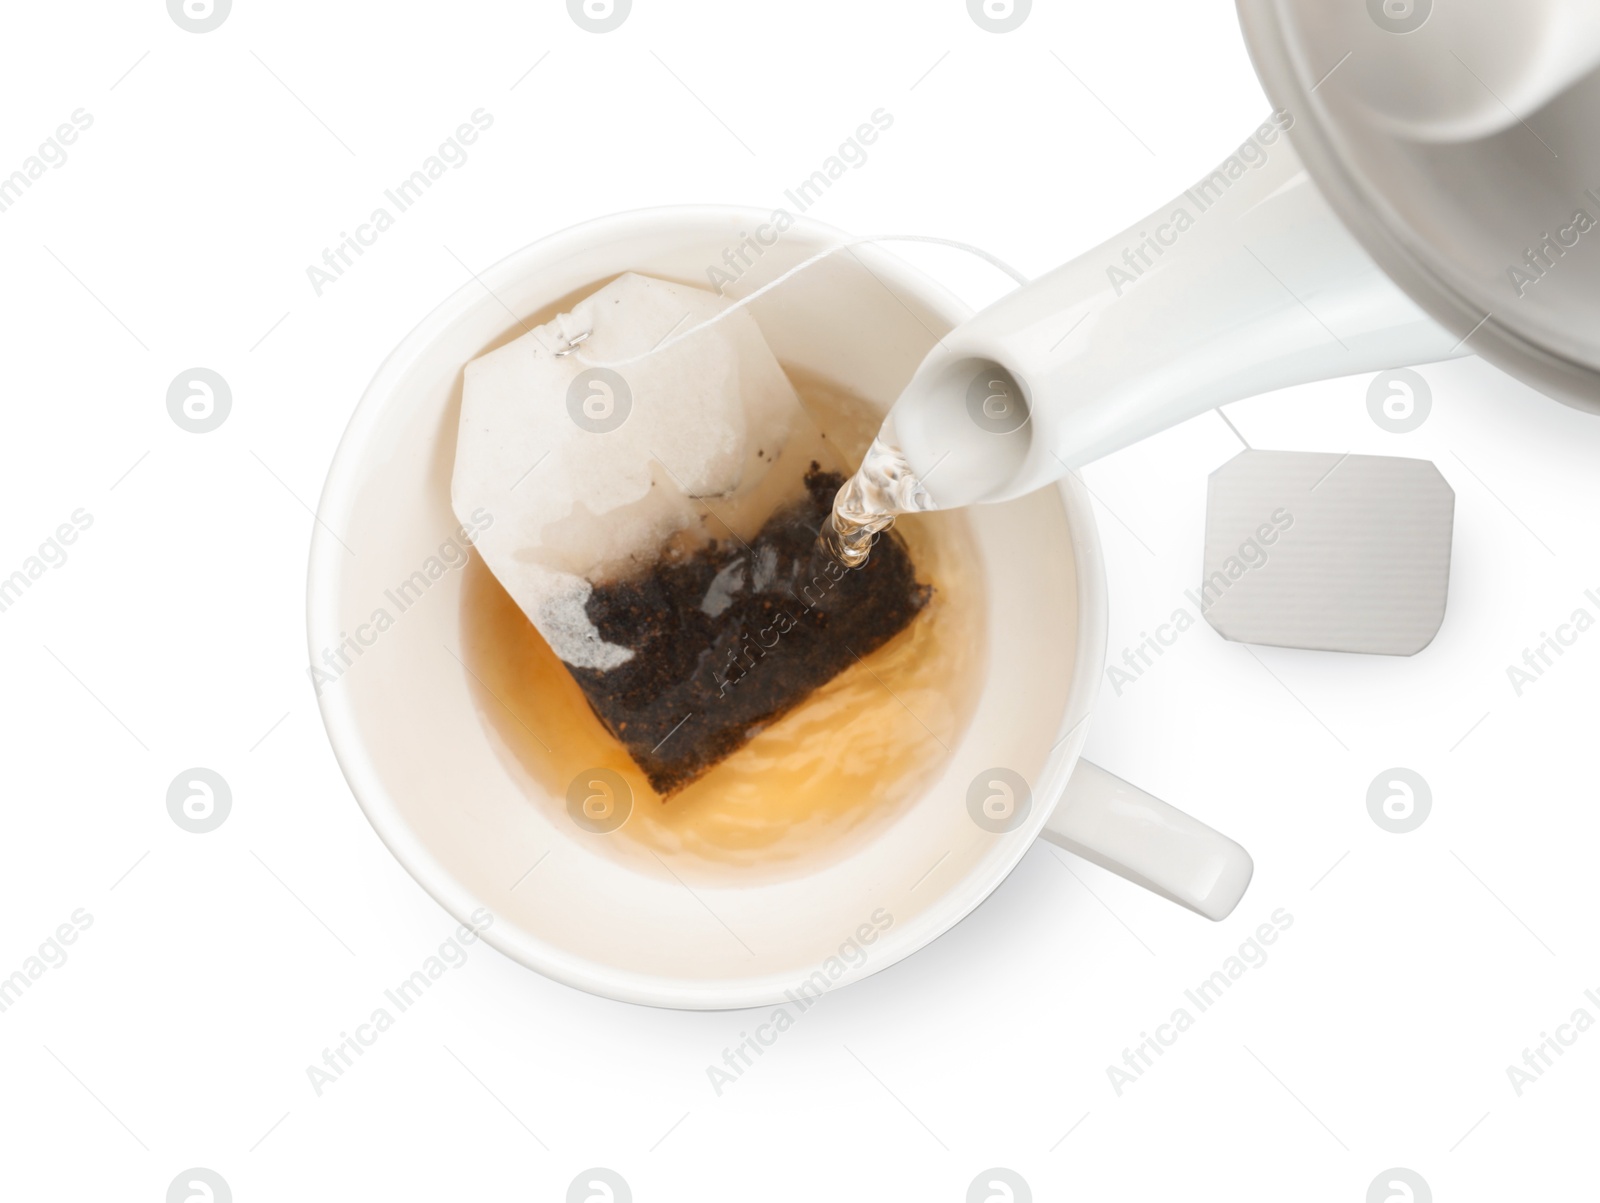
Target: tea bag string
{"points": [[993, 260]]}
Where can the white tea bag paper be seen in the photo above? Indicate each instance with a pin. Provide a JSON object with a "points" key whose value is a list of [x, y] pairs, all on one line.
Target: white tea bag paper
{"points": [[592, 472]]}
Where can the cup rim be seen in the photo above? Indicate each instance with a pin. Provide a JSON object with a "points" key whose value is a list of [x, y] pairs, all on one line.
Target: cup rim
{"points": [[365, 781]]}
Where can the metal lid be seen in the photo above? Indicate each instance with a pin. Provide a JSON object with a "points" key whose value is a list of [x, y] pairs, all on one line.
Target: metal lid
{"points": [[1457, 143]]}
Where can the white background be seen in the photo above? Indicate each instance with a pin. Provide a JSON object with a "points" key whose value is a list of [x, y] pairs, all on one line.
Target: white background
{"points": [[218, 967]]}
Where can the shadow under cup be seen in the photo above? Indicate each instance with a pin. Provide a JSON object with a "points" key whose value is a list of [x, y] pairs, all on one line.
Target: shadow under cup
{"points": [[431, 774]]}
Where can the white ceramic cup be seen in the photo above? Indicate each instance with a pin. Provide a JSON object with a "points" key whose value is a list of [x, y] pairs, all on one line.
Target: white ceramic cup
{"points": [[422, 761]]}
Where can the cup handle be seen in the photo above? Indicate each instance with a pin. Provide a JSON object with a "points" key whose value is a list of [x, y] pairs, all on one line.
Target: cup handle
{"points": [[1103, 819]]}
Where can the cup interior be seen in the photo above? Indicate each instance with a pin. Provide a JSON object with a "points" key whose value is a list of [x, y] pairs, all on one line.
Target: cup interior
{"points": [[406, 718]]}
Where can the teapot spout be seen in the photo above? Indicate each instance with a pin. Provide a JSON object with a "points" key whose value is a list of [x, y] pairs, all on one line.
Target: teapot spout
{"points": [[1245, 283]]}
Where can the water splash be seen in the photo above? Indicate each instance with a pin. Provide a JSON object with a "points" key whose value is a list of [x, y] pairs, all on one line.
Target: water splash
{"points": [[881, 488]]}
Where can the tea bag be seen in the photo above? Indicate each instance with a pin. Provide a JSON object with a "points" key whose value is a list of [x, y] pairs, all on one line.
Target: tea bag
{"points": [[654, 500]]}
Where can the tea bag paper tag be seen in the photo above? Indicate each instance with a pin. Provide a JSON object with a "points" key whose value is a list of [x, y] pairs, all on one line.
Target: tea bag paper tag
{"points": [[1340, 553]]}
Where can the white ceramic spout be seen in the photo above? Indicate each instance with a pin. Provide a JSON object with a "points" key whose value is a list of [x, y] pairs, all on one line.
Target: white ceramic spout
{"points": [[1243, 284]]}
